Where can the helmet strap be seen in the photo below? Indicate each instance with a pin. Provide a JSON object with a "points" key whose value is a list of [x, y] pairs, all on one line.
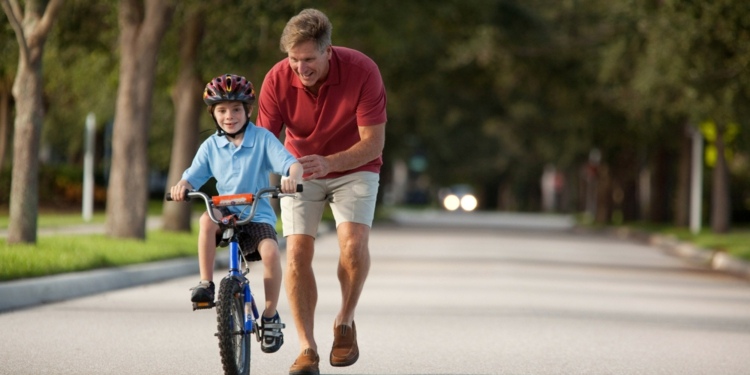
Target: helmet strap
{"points": [[220, 131]]}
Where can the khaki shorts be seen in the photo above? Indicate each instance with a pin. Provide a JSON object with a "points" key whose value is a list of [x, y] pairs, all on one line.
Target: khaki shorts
{"points": [[352, 199]]}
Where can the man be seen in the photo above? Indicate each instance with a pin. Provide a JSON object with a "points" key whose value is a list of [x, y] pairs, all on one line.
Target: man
{"points": [[332, 102]]}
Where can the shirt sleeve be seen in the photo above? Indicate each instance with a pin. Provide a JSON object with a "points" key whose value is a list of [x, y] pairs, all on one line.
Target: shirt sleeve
{"points": [[371, 109], [200, 170], [269, 115]]}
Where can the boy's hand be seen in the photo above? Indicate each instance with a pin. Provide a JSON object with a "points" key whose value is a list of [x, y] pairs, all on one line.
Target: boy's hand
{"points": [[289, 184], [178, 191]]}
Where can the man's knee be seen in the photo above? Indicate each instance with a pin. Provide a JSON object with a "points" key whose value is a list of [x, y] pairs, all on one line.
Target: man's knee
{"points": [[299, 251]]}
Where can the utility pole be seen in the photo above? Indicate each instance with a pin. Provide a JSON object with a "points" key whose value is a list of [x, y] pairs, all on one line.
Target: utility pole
{"points": [[88, 168]]}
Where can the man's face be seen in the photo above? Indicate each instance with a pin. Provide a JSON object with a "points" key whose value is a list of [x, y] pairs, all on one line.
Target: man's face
{"points": [[231, 116], [309, 64]]}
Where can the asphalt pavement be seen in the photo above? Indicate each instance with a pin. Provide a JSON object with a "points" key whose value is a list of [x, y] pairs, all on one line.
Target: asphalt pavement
{"points": [[31, 292]]}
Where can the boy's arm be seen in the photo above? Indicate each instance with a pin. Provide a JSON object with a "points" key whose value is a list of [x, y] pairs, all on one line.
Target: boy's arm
{"points": [[289, 183]]}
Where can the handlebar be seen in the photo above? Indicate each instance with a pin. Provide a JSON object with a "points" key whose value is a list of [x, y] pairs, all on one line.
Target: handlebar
{"points": [[247, 199]]}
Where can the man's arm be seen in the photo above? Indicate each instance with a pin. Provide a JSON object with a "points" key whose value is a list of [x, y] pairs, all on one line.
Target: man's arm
{"points": [[370, 146]]}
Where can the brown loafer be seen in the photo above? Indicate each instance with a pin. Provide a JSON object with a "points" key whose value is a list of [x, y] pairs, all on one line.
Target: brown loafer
{"points": [[306, 363], [345, 351]]}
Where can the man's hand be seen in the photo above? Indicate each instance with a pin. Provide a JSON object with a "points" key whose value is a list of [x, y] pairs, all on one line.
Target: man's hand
{"points": [[315, 166]]}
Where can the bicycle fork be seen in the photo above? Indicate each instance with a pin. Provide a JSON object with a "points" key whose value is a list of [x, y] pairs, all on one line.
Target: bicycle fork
{"points": [[251, 310]]}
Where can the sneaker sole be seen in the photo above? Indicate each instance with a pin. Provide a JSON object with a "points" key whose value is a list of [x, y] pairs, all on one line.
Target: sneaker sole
{"points": [[273, 349]]}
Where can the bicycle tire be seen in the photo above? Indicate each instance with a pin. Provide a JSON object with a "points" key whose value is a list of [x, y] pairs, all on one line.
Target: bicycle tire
{"points": [[234, 342]]}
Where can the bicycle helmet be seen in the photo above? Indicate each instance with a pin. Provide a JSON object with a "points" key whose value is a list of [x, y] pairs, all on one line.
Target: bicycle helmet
{"points": [[229, 87]]}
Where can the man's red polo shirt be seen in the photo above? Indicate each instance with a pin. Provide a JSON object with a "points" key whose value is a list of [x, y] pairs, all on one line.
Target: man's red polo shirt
{"points": [[353, 95]]}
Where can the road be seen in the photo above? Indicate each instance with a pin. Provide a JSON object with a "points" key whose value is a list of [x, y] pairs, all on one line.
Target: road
{"points": [[438, 301]]}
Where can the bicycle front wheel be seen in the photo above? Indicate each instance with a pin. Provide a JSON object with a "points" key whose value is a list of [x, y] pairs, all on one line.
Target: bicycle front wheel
{"points": [[234, 342]]}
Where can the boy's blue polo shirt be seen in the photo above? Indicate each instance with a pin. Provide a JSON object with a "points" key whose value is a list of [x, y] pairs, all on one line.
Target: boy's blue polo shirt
{"points": [[243, 169]]}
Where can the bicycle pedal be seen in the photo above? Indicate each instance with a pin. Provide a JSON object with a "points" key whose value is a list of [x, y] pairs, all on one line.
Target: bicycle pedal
{"points": [[203, 305]]}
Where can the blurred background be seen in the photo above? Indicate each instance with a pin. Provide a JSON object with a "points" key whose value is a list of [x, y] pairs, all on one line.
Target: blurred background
{"points": [[590, 107]]}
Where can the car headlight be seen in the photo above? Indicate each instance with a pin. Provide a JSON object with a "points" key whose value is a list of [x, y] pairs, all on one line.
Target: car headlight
{"points": [[468, 202], [451, 202]]}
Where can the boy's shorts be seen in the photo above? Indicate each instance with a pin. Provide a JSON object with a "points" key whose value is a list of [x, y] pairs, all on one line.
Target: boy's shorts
{"points": [[352, 199], [249, 235]]}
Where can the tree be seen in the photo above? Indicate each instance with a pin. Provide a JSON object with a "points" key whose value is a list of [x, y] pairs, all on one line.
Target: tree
{"points": [[31, 26], [142, 26], [8, 60], [187, 102]]}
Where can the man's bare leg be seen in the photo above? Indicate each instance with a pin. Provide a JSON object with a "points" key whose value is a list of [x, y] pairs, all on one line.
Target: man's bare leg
{"points": [[354, 265], [301, 289]]}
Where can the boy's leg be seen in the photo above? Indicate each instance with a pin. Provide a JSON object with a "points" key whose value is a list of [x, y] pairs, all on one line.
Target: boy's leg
{"points": [[205, 291], [261, 237], [269, 252], [207, 246]]}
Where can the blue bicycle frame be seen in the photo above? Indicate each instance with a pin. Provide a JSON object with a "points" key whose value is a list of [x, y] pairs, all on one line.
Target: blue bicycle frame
{"points": [[235, 271]]}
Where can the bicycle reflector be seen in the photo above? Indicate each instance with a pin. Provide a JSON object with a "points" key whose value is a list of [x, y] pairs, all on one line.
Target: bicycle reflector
{"points": [[232, 200]]}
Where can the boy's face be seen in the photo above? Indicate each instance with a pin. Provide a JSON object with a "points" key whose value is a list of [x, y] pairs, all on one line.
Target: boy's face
{"points": [[230, 116]]}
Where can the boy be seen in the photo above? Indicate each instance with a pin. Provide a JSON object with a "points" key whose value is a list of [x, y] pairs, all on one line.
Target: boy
{"points": [[240, 156]]}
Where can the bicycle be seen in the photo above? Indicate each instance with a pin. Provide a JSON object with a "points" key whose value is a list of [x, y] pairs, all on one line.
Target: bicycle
{"points": [[237, 313]]}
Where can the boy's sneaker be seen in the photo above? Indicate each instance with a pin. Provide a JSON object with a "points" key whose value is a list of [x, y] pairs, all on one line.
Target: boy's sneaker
{"points": [[204, 292], [272, 337]]}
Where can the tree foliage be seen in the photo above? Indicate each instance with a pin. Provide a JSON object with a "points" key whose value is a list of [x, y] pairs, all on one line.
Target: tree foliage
{"points": [[487, 92]]}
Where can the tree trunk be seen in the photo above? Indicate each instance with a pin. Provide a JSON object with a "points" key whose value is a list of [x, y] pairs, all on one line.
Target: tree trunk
{"points": [[4, 116], [720, 201], [142, 27], [27, 91], [660, 185], [24, 187], [682, 200], [603, 214], [188, 108]]}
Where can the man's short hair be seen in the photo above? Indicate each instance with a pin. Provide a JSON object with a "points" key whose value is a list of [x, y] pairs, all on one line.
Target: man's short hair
{"points": [[308, 25]]}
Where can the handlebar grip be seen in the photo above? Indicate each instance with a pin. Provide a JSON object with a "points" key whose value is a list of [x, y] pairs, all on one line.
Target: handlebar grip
{"points": [[168, 196], [299, 188]]}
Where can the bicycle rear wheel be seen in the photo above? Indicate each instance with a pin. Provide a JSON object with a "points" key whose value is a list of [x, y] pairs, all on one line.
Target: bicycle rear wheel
{"points": [[234, 342]]}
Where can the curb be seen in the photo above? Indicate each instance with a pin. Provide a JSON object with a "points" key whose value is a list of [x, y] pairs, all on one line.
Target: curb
{"points": [[699, 256], [29, 292]]}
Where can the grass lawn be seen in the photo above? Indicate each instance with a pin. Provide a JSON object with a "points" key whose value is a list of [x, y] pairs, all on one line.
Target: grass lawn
{"points": [[70, 253], [735, 243], [60, 254]]}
